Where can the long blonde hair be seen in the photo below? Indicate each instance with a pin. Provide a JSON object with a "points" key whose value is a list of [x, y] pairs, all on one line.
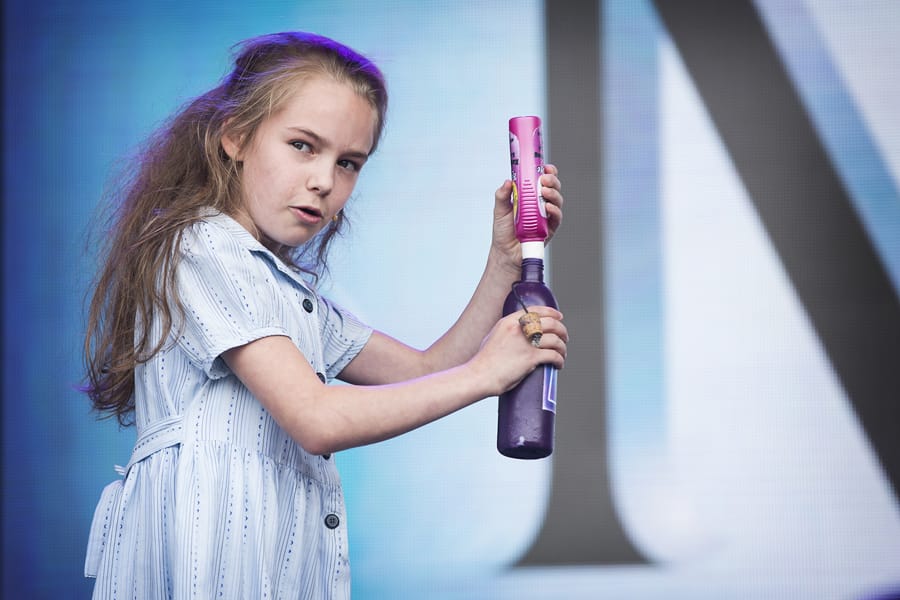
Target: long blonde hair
{"points": [[183, 168]]}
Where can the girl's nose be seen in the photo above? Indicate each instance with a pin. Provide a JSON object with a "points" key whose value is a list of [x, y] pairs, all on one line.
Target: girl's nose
{"points": [[321, 178]]}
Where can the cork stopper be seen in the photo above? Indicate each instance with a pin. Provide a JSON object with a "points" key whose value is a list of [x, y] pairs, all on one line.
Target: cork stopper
{"points": [[531, 327]]}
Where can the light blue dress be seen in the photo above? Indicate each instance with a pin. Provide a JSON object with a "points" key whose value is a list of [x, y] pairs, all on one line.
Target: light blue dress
{"points": [[217, 500]]}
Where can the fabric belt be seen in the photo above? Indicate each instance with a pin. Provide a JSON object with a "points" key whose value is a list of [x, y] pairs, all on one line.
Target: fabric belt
{"points": [[101, 527], [161, 434]]}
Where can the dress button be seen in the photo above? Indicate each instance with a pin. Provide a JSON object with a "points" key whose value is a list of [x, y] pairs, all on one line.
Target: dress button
{"points": [[307, 305], [332, 521], [326, 456], [321, 377]]}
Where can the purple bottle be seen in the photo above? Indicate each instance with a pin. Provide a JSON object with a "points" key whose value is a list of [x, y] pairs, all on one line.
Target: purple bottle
{"points": [[527, 413]]}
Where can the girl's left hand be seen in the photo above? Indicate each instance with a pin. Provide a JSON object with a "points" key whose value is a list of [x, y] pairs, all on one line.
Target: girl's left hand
{"points": [[504, 240]]}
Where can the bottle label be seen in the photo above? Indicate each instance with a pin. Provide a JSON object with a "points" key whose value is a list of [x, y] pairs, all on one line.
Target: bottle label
{"points": [[550, 388]]}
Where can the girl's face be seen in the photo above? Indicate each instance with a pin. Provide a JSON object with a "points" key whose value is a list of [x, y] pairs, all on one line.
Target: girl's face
{"points": [[300, 167]]}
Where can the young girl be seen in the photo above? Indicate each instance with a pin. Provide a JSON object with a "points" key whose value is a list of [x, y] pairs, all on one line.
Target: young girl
{"points": [[206, 332]]}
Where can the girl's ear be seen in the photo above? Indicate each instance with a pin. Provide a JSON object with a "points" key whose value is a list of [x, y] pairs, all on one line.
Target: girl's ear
{"points": [[231, 146]]}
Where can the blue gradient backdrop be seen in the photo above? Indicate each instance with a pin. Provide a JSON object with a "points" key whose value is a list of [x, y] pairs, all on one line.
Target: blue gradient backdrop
{"points": [[737, 464]]}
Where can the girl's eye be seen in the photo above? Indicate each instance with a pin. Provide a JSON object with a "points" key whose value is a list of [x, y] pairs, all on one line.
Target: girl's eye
{"points": [[301, 146], [348, 164]]}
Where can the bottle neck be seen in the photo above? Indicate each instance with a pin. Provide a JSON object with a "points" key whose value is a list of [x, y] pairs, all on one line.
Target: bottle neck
{"points": [[533, 269]]}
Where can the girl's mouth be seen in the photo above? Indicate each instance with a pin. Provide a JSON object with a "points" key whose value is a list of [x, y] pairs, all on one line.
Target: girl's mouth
{"points": [[307, 214]]}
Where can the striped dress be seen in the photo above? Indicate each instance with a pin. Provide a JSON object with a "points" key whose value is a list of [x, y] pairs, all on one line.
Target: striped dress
{"points": [[217, 501]]}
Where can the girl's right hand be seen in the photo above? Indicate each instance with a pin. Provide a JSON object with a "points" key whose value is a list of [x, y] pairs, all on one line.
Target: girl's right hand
{"points": [[506, 356]]}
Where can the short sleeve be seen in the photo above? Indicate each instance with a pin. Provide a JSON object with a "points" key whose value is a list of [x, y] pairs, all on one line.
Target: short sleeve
{"points": [[222, 287], [343, 336]]}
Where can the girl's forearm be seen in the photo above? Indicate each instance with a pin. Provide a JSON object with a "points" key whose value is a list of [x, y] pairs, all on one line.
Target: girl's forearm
{"points": [[348, 416], [483, 310]]}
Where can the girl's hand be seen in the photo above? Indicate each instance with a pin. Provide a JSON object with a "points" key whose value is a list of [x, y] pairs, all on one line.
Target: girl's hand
{"points": [[506, 356], [504, 240]]}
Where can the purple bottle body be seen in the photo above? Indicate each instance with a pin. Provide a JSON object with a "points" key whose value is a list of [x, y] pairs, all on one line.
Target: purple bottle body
{"points": [[527, 413]]}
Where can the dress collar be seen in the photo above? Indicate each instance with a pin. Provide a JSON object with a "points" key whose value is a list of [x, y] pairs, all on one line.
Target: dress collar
{"points": [[245, 239]]}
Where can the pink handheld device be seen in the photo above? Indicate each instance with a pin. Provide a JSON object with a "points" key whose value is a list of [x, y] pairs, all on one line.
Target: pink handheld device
{"points": [[527, 163]]}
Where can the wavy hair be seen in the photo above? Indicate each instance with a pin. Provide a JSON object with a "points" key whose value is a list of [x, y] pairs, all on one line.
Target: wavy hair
{"points": [[181, 169]]}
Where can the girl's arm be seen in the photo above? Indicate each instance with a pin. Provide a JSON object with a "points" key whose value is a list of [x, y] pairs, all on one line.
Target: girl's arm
{"points": [[325, 419], [386, 360]]}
